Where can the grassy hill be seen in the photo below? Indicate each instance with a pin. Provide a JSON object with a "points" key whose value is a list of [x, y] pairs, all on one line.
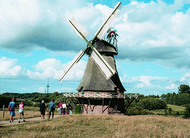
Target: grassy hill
{"points": [[175, 110], [102, 126]]}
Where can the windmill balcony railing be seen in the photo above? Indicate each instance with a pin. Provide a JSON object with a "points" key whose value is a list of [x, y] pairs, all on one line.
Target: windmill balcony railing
{"points": [[70, 94], [89, 94], [94, 95]]}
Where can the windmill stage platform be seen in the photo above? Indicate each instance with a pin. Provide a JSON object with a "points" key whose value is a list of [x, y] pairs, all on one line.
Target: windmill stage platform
{"points": [[99, 102], [96, 95]]}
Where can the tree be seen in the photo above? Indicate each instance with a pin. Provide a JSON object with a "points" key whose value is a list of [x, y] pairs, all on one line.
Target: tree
{"points": [[187, 111], [183, 88], [178, 99], [4, 101], [153, 103]]}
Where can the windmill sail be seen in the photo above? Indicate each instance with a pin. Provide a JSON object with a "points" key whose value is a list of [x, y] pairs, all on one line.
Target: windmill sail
{"points": [[102, 64], [105, 26], [81, 31], [73, 62]]}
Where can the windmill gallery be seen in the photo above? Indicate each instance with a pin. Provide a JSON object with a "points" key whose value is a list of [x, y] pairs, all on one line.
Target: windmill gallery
{"points": [[100, 91]]}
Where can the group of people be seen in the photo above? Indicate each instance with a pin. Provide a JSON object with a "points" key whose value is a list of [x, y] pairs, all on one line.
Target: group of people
{"points": [[11, 109], [62, 108]]}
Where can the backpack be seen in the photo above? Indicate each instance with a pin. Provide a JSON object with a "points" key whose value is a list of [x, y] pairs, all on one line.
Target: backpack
{"points": [[11, 107], [52, 106]]}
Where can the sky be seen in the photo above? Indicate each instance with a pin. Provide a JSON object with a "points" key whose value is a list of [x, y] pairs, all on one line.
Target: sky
{"points": [[37, 43]]}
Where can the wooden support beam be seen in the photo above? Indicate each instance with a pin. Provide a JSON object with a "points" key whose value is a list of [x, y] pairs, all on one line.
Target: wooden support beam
{"points": [[102, 104], [93, 108], [105, 109], [90, 106], [109, 105]]}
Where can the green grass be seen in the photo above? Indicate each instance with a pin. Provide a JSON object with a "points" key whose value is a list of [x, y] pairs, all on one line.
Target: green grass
{"points": [[158, 112], [176, 108], [85, 126]]}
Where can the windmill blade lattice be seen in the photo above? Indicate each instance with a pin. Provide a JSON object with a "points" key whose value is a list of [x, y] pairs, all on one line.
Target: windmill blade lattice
{"points": [[73, 62]]}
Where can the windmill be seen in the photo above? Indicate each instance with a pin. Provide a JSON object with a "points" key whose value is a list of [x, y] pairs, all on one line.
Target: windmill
{"points": [[100, 91]]}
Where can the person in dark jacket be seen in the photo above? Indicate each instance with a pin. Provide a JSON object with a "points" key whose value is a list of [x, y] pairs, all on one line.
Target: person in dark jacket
{"points": [[68, 107], [42, 109]]}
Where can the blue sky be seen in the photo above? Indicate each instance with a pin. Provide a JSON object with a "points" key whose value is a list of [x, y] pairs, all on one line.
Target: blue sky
{"points": [[37, 43]]}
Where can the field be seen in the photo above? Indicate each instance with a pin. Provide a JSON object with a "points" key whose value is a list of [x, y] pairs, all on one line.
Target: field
{"points": [[102, 126], [174, 110]]}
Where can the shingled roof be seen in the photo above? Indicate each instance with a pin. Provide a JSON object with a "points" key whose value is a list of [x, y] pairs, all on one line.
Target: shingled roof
{"points": [[93, 79]]}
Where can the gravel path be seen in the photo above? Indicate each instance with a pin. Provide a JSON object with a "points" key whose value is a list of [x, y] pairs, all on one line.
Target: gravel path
{"points": [[29, 120]]}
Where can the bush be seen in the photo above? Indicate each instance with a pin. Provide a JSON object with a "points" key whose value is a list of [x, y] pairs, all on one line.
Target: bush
{"points": [[77, 109], [28, 103], [153, 103], [136, 111], [187, 111]]}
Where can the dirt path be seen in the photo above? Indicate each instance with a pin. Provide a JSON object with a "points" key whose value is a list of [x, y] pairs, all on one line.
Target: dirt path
{"points": [[29, 120]]}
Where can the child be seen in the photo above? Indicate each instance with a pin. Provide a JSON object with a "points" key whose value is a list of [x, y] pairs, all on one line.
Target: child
{"points": [[21, 111]]}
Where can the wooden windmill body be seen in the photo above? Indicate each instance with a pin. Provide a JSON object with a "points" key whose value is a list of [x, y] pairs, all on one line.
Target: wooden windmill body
{"points": [[100, 91], [97, 94]]}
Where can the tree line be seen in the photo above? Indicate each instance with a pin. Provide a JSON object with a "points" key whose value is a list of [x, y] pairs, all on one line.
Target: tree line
{"points": [[181, 98]]}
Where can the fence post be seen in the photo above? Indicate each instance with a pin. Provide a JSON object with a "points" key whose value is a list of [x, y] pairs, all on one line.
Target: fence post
{"points": [[3, 112]]}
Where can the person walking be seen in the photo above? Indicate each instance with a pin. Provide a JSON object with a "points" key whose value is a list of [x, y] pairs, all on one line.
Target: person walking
{"points": [[11, 109], [64, 108], [51, 108], [21, 111], [68, 107], [60, 108], [42, 109]]}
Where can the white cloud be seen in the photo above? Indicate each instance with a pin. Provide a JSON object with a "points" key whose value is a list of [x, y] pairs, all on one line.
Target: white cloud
{"points": [[16, 15], [66, 89], [186, 78], [146, 81], [153, 25], [53, 68], [143, 81], [149, 84], [171, 86], [9, 68], [28, 24], [41, 89]]}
